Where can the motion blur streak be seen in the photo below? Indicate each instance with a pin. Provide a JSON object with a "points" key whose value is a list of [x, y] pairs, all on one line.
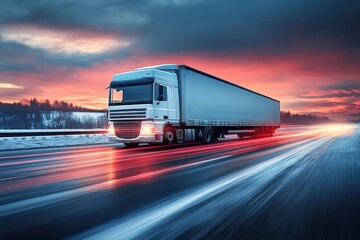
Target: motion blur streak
{"points": [[144, 221], [303, 182]]}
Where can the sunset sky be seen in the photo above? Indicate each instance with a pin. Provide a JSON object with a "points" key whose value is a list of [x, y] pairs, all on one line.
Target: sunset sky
{"points": [[305, 53]]}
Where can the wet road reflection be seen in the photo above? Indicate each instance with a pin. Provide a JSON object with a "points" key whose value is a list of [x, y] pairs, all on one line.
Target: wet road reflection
{"points": [[251, 188]]}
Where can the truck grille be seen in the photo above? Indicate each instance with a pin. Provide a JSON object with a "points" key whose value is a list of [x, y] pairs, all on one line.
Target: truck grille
{"points": [[127, 129], [127, 114]]}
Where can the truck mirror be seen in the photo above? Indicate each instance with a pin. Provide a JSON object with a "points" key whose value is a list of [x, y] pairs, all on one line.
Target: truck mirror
{"points": [[160, 98]]}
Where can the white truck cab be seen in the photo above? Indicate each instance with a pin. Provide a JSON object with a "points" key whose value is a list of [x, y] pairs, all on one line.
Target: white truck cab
{"points": [[141, 102]]}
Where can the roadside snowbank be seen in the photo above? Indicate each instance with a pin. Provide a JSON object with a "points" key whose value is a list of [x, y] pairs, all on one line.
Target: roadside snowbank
{"points": [[12, 143]]}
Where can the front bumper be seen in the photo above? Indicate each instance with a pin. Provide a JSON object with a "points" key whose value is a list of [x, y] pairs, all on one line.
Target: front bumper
{"points": [[155, 137]]}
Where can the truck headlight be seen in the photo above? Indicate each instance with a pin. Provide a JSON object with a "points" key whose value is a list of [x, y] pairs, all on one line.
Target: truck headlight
{"points": [[111, 129], [147, 129]]}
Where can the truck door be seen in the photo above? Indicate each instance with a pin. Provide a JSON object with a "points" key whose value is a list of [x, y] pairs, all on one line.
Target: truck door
{"points": [[161, 99], [173, 113]]}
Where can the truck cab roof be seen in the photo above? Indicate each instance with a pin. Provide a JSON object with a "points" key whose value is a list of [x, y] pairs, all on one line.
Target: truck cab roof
{"points": [[165, 67], [160, 76]]}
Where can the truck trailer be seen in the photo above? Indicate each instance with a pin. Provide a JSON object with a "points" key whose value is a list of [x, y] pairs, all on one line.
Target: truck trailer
{"points": [[176, 103]]}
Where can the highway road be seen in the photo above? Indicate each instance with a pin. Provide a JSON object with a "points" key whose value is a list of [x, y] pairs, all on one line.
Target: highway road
{"points": [[303, 183]]}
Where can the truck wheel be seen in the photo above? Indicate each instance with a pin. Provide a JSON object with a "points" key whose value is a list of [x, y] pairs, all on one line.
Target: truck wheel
{"points": [[131, 144], [240, 136], [208, 136], [169, 135]]}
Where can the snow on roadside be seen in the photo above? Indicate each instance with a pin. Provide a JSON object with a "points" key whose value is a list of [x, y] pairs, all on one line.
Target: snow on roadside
{"points": [[50, 130], [12, 143]]}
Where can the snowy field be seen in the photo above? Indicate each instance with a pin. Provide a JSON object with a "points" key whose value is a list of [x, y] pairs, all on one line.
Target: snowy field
{"points": [[13, 143]]}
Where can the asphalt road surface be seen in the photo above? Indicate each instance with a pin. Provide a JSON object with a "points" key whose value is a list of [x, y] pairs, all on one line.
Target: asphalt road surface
{"points": [[303, 183]]}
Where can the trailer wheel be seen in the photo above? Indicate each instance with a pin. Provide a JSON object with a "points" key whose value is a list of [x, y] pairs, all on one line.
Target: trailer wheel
{"points": [[169, 135], [208, 136], [260, 132], [271, 131], [268, 132], [131, 145]]}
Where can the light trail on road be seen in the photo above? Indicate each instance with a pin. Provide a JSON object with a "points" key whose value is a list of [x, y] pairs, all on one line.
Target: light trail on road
{"points": [[184, 191]]}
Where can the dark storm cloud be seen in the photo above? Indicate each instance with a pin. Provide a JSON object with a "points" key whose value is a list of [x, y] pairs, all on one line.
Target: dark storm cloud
{"points": [[254, 25], [100, 17], [345, 85], [342, 89], [172, 26], [17, 57], [320, 104], [182, 26], [338, 94]]}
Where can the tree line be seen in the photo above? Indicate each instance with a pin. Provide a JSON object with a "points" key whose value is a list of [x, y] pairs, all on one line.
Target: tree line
{"points": [[44, 105], [288, 117], [43, 114]]}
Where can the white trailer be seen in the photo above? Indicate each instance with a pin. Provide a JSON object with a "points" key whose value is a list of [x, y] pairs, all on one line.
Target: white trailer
{"points": [[176, 103]]}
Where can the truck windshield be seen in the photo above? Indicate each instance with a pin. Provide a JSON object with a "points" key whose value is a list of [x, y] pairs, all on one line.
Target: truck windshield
{"points": [[131, 94]]}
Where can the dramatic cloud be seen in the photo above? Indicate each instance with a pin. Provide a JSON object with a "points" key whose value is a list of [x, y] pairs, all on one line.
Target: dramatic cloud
{"points": [[62, 42], [178, 26], [301, 52], [340, 101], [9, 86], [342, 90], [347, 85]]}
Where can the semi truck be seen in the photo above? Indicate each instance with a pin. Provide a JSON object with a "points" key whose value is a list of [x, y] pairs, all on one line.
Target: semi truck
{"points": [[172, 103]]}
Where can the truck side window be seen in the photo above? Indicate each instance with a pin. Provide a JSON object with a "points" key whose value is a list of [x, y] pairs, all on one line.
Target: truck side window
{"points": [[160, 93], [117, 95]]}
